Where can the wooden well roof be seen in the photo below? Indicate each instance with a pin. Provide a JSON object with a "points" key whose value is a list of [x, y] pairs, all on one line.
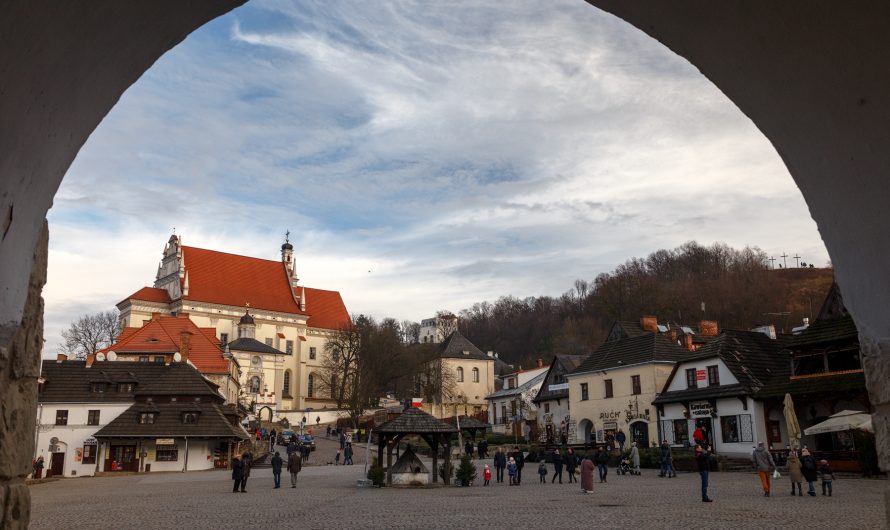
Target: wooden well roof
{"points": [[416, 421]]}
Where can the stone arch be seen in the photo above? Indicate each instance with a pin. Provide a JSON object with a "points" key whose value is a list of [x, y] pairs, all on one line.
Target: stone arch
{"points": [[585, 431], [812, 80]]}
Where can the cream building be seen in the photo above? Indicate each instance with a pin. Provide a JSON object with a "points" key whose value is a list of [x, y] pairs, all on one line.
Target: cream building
{"points": [[472, 378], [613, 389], [216, 289]]}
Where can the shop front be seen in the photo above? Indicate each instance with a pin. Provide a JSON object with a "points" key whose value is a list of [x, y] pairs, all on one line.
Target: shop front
{"points": [[122, 456]]}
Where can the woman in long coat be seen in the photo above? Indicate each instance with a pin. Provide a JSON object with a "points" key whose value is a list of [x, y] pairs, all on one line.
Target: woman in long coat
{"points": [[587, 475], [795, 473], [635, 457]]}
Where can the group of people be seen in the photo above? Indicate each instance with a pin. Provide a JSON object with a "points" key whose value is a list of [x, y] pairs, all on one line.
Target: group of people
{"points": [[347, 453], [512, 462], [481, 448], [800, 467]]}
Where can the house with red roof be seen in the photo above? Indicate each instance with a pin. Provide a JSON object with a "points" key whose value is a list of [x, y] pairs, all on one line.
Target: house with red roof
{"points": [[291, 322]]}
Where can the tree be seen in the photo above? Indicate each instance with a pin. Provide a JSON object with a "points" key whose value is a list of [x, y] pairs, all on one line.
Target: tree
{"points": [[339, 374], [446, 324], [435, 380], [90, 333]]}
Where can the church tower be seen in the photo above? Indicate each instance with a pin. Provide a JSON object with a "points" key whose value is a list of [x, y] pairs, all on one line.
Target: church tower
{"points": [[287, 257], [246, 326]]}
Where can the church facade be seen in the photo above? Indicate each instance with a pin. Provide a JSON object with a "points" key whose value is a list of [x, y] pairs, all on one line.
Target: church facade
{"points": [[285, 332]]}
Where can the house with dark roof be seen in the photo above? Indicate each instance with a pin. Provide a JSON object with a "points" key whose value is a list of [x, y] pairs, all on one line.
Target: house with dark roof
{"points": [[111, 415], [612, 390], [512, 409], [457, 378], [716, 391], [215, 288], [552, 399]]}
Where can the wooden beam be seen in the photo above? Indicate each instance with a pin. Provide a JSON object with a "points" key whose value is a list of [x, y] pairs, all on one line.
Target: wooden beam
{"points": [[389, 464]]}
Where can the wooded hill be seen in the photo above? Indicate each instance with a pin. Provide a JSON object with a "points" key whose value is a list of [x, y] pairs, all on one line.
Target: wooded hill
{"points": [[737, 288]]}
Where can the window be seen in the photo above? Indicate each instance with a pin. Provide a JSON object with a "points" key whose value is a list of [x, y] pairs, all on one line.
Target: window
{"points": [[681, 432], [729, 425], [62, 417], [312, 353], [254, 385], [143, 358], [99, 388], [584, 395], [609, 391], [224, 338], [503, 413], [285, 388], [167, 453], [334, 386], [89, 454], [511, 383], [713, 376], [635, 384], [189, 417], [159, 359], [289, 347], [93, 417], [460, 374], [546, 408], [690, 378], [146, 418], [475, 375], [310, 386], [125, 388], [513, 407], [269, 342]]}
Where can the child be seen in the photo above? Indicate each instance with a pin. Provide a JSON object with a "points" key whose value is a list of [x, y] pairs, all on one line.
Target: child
{"points": [[337, 458], [511, 470], [542, 471], [486, 475], [827, 476]]}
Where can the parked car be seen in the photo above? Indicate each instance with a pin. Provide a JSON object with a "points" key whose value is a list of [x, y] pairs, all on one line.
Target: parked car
{"points": [[284, 437], [305, 439]]}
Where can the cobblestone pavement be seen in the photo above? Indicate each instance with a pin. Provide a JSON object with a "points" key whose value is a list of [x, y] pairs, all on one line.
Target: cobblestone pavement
{"points": [[327, 497]]}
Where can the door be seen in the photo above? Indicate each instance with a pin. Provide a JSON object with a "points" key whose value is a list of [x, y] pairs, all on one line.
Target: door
{"points": [[122, 458], [639, 432], [57, 464]]}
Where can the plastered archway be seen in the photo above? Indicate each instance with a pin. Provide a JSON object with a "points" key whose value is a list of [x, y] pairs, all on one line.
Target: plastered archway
{"points": [[811, 76]]}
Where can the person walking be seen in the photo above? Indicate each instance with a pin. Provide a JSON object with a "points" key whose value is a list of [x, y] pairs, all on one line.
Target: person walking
{"points": [[294, 465], [810, 469], [601, 459], [557, 466], [667, 461], [291, 447], [635, 458], [571, 462], [795, 473], [542, 472], [247, 460], [519, 458], [468, 448], [337, 458], [347, 455], [500, 462], [512, 468], [587, 475], [486, 475], [620, 438], [237, 474], [827, 477], [38, 467], [342, 440], [306, 451], [703, 461], [764, 464], [276, 469]]}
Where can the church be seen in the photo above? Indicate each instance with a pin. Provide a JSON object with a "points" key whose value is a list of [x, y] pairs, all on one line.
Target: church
{"points": [[274, 327]]}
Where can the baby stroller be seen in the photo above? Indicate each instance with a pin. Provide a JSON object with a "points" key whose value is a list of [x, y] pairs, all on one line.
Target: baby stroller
{"points": [[625, 467]]}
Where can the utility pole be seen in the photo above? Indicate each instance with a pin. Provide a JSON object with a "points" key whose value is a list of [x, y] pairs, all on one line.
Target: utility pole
{"points": [[783, 256], [797, 261]]}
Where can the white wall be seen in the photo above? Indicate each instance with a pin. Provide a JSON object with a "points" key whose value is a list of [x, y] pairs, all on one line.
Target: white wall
{"points": [[726, 407], [72, 436], [679, 381]]}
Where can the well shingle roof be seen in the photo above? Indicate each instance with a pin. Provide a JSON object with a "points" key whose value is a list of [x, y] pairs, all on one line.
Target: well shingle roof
{"points": [[650, 347], [416, 421]]}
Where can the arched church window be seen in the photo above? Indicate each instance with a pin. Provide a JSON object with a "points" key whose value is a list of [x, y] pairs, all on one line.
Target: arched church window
{"points": [[460, 374], [475, 375], [285, 389], [310, 386]]}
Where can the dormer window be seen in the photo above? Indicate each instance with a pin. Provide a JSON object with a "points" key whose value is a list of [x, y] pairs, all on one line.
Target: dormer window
{"points": [[98, 388], [147, 418], [125, 388], [190, 417]]}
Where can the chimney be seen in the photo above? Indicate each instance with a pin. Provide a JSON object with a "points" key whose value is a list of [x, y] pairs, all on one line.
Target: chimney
{"points": [[540, 363], [806, 322], [673, 333], [91, 358], [649, 323], [155, 316], [60, 358], [184, 344], [490, 354], [687, 342], [707, 328]]}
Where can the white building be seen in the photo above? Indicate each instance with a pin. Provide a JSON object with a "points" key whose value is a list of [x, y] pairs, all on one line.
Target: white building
{"points": [[438, 328], [552, 400], [515, 401]]}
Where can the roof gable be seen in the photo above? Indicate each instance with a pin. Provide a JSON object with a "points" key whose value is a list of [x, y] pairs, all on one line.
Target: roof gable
{"points": [[650, 347]]}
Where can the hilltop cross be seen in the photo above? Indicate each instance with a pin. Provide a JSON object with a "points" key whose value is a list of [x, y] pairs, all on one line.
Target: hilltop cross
{"points": [[797, 260], [783, 256], [772, 263]]}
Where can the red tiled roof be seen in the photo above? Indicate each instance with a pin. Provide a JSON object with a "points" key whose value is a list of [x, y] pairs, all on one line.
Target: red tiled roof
{"points": [[230, 279], [150, 294], [162, 335]]}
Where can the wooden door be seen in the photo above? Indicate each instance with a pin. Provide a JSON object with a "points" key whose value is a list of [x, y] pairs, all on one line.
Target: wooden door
{"points": [[57, 464]]}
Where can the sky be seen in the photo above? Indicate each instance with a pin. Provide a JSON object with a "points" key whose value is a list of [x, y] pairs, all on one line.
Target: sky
{"points": [[423, 156]]}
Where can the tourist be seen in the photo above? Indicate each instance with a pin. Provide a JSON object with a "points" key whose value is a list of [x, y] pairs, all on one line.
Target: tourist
{"points": [[328, 432], [827, 476], [794, 473], [500, 462], [587, 475], [620, 438], [557, 466], [342, 440], [571, 462], [635, 457], [519, 457], [764, 464], [468, 448], [703, 460], [512, 469], [305, 450], [259, 434], [247, 460], [810, 469], [486, 475], [542, 472], [337, 458], [667, 460], [272, 436], [602, 463], [238, 474], [276, 469], [698, 435], [38, 467], [293, 467], [291, 447], [347, 455]]}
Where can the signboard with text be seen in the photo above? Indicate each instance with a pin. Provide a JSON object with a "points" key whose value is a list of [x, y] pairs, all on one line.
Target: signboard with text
{"points": [[701, 375]]}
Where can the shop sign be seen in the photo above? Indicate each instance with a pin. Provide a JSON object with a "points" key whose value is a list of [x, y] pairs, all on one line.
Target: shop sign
{"points": [[612, 415], [700, 408], [165, 441], [610, 426], [91, 441], [637, 416], [560, 386], [701, 375]]}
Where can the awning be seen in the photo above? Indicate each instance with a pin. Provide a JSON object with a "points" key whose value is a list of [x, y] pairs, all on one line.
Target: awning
{"points": [[846, 420]]}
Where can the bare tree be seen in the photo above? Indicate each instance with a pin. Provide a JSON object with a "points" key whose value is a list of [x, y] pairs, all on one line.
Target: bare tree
{"points": [[446, 324], [410, 332], [90, 333], [434, 379]]}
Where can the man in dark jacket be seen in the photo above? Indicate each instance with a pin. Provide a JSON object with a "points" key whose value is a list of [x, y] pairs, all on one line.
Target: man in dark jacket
{"points": [[520, 461], [247, 462], [703, 460], [276, 469], [667, 460], [238, 474], [468, 448], [601, 459], [294, 465], [620, 438], [557, 466], [571, 462], [500, 462]]}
